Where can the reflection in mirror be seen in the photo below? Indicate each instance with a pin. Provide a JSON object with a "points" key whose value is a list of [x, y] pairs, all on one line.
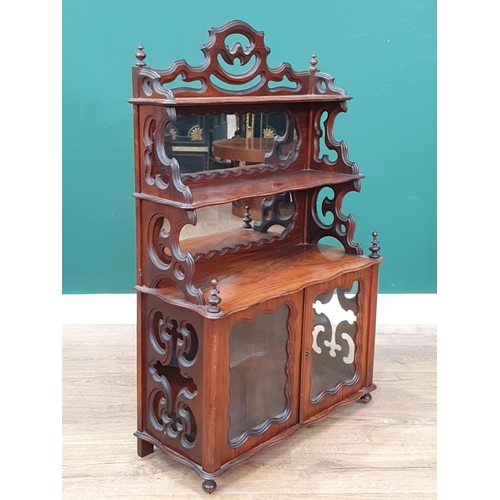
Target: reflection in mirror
{"points": [[225, 226], [221, 142]]}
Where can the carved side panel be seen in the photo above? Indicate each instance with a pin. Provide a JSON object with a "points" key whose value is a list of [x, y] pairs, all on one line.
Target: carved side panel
{"points": [[159, 173], [334, 342], [324, 118], [162, 258], [171, 375], [326, 218]]}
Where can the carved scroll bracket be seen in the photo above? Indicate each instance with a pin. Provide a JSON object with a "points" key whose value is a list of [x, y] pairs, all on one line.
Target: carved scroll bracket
{"points": [[165, 257], [276, 210], [342, 164], [161, 174], [331, 221]]}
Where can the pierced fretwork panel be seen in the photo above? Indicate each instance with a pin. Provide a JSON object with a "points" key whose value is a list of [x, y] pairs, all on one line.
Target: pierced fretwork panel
{"points": [[261, 384], [277, 210], [172, 350], [334, 341], [329, 221], [163, 256]]}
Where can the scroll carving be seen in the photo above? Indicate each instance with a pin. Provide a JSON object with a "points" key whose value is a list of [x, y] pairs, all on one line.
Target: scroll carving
{"points": [[212, 76], [277, 210], [174, 349], [331, 221], [166, 259], [161, 171], [326, 217], [342, 164]]}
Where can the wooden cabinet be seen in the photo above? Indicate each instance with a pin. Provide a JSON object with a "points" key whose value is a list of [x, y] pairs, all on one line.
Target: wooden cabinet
{"points": [[255, 325]]}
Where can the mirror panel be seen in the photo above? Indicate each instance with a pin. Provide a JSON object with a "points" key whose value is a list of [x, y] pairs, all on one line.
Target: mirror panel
{"points": [[216, 143], [234, 225]]}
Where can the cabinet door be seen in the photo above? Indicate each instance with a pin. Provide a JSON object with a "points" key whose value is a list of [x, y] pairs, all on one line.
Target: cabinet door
{"points": [[263, 373], [336, 342]]}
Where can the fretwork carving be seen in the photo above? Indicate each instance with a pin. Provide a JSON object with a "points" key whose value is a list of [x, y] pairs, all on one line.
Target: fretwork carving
{"points": [[161, 174], [212, 74], [330, 220], [173, 349], [163, 257], [342, 164], [276, 210]]}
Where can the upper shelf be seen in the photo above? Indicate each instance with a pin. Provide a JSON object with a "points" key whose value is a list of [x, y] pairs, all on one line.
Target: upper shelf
{"points": [[217, 193], [239, 100]]}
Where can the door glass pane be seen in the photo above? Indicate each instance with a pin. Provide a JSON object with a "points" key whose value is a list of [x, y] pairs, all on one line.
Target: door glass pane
{"points": [[333, 341], [258, 383]]}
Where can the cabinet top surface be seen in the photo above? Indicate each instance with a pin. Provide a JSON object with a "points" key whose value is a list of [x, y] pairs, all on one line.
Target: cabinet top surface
{"points": [[263, 276]]}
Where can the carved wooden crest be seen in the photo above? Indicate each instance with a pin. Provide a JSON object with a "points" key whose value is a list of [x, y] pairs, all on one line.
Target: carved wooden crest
{"points": [[214, 79]]}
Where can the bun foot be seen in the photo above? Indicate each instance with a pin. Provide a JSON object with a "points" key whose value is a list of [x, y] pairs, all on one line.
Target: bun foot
{"points": [[366, 398], [209, 486]]}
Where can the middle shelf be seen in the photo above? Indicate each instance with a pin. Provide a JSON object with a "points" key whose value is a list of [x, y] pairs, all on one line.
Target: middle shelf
{"points": [[219, 192]]}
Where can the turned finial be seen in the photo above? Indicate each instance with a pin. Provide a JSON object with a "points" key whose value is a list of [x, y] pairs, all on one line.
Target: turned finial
{"points": [[213, 299], [247, 219], [374, 248], [140, 56], [313, 63]]}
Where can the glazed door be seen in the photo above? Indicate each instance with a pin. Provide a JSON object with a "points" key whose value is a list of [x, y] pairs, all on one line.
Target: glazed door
{"points": [[335, 342], [263, 374]]}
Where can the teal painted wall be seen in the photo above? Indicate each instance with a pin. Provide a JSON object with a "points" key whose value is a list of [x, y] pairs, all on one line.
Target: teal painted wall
{"points": [[382, 52]]}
